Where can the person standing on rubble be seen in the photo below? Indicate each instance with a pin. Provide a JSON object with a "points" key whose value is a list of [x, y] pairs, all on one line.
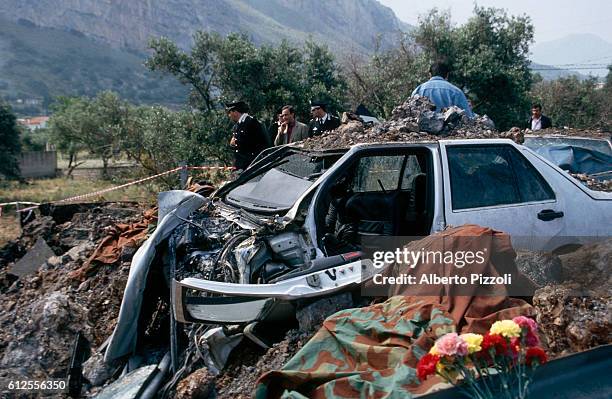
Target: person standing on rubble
{"points": [[290, 129], [321, 121], [248, 136], [440, 91], [538, 121]]}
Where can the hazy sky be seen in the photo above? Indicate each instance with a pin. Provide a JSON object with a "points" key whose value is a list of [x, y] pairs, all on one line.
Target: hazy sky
{"points": [[553, 19]]}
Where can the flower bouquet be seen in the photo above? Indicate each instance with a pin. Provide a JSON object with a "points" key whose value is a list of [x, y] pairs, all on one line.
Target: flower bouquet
{"points": [[499, 364]]}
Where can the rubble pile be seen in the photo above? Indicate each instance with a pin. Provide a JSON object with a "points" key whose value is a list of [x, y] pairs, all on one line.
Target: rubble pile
{"points": [[577, 314], [42, 312], [592, 183], [571, 132], [239, 378], [414, 120]]}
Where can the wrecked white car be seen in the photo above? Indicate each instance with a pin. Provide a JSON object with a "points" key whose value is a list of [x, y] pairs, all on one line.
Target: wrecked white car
{"points": [[576, 154], [289, 227]]}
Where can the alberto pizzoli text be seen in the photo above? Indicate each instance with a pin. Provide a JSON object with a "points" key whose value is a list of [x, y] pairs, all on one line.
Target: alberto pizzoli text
{"points": [[434, 279]]}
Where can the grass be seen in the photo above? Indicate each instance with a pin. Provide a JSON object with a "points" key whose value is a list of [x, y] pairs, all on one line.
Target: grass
{"points": [[47, 190], [9, 228]]}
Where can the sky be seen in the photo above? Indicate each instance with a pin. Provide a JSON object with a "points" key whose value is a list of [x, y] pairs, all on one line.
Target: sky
{"points": [[552, 19]]}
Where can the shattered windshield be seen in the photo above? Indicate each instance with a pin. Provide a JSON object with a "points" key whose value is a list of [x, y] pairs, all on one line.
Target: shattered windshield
{"points": [[536, 143], [278, 187]]}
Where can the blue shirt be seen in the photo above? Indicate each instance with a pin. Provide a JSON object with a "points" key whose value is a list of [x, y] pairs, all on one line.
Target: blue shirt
{"points": [[443, 94]]}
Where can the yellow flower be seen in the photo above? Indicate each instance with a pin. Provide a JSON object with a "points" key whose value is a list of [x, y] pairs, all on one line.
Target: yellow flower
{"points": [[506, 328], [473, 342], [434, 351]]}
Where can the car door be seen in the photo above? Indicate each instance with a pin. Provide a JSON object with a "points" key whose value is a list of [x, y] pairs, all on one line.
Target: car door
{"points": [[492, 184]]}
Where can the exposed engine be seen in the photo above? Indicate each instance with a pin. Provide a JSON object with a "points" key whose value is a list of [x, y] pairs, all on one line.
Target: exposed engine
{"points": [[213, 248]]}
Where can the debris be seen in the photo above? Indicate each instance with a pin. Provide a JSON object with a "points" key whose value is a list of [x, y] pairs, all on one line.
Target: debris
{"points": [[219, 346], [198, 385], [130, 386], [42, 315], [541, 268], [576, 315], [572, 320], [239, 378], [33, 259], [311, 316], [96, 371], [414, 120], [593, 183]]}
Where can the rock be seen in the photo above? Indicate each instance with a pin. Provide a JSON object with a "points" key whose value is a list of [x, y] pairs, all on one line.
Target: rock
{"points": [[431, 122], [311, 316], [197, 385], [541, 268], [590, 267], [572, 320], [54, 261], [453, 115], [80, 251], [127, 253], [96, 371]]}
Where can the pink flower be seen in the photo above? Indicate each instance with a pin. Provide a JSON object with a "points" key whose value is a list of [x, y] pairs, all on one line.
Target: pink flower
{"points": [[451, 344], [530, 327]]}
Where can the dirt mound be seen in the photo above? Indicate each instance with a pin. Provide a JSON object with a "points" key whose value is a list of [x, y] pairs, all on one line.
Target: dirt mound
{"points": [[577, 314], [42, 312], [414, 120]]}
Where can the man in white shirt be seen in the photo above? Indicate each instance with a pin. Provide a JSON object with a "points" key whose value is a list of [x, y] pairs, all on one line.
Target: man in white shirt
{"points": [[538, 121]]}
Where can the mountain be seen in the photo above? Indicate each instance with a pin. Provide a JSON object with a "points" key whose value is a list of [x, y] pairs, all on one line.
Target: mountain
{"points": [[79, 47], [551, 73], [343, 24], [38, 64], [585, 49]]}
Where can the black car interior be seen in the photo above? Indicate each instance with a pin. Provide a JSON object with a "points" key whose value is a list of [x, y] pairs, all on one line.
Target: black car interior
{"points": [[391, 195]]}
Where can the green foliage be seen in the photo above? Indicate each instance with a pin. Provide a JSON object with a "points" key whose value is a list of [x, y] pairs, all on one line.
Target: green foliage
{"points": [[34, 141], [221, 69], [160, 139], [492, 64], [489, 57], [10, 147], [386, 79], [575, 103], [96, 125]]}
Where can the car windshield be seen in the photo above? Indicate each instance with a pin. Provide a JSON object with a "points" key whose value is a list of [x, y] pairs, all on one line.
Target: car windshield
{"points": [[278, 187], [602, 146]]}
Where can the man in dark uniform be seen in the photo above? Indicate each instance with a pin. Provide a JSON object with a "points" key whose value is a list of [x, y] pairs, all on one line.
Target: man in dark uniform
{"points": [[248, 136], [321, 121]]}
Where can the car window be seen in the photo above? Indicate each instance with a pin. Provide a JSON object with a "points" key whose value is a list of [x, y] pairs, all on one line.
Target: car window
{"points": [[532, 186], [411, 170], [493, 175], [278, 187], [370, 170]]}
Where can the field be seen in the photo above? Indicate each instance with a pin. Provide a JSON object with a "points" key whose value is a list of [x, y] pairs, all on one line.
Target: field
{"points": [[46, 190]]}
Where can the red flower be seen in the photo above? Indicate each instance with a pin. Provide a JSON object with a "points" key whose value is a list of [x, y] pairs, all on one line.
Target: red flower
{"points": [[496, 342], [535, 354], [427, 366]]}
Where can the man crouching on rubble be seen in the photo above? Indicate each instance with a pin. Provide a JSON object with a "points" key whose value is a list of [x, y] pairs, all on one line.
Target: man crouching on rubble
{"points": [[440, 91]]}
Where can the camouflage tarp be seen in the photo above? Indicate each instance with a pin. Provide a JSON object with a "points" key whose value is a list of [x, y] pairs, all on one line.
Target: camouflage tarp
{"points": [[372, 352]]}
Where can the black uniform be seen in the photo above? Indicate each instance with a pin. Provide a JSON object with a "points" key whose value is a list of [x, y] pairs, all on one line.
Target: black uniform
{"points": [[251, 139], [315, 128]]}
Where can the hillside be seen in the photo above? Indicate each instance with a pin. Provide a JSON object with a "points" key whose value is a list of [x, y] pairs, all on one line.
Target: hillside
{"points": [[79, 47], [37, 64], [343, 24]]}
